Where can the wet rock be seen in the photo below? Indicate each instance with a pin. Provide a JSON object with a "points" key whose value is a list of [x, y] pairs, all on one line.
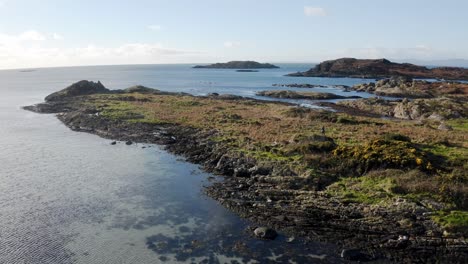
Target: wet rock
{"points": [[241, 172], [128, 143], [354, 255], [113, 142], [265, 233], [256, 170]]}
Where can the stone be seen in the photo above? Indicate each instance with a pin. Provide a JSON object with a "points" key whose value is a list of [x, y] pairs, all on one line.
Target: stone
{"points": [[129, 142], [113, 143], [353, 255], [265, 233], [444, 127]]}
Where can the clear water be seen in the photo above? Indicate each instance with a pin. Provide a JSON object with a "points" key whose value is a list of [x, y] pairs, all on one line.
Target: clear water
{"points": [[68, 197]]}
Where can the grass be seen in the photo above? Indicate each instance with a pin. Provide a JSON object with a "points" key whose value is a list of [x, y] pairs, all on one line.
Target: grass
{"points": [[453, 221], [361, 159], [366, 189]]}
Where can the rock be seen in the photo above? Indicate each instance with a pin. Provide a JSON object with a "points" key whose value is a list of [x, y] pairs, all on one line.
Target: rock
{"points": [[77, 89], [128, 143], [444, 127], [113, 142], [256, 170], [265, 233], [354, 255], [241, 172], [436, 116]]}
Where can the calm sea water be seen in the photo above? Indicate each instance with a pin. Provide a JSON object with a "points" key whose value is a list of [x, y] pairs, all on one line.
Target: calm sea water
{"points": [[68, 197]]}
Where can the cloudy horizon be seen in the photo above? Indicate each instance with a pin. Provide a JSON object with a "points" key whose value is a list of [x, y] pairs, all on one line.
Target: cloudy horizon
{"points": [[55, 33]]}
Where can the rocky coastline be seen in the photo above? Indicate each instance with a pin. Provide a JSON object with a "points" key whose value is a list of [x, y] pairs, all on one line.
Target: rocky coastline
{"points": [[307, 85], [266, 191], [286, 94]]}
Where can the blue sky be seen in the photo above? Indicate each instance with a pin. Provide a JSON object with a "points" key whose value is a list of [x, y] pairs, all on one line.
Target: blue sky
{"points": [[42, 33]]}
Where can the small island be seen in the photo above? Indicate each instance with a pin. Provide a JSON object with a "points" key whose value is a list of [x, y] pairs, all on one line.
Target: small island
{"points": [[381, 68], [241, 65]]}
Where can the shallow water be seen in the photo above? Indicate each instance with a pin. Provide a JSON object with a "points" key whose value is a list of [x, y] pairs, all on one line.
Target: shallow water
{"points": [[68, 197]]}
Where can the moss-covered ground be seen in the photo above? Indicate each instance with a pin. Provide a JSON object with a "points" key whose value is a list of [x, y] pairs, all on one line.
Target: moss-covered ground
{"points": [[358, 159]]}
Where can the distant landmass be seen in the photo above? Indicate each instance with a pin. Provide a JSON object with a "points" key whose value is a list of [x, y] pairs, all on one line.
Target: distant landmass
{"points": [[238, 65], [380, 68], [433, 63]]}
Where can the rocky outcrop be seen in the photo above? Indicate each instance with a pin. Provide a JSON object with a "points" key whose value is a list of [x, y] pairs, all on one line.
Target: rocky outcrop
{"points": [[381, 68], [407, 87], [418, 109], [285, 94], [238, 65], [80, 88], [439, 109]]}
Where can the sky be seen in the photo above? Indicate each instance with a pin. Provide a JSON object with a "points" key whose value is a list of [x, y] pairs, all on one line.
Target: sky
{"points": [[50, 33]]}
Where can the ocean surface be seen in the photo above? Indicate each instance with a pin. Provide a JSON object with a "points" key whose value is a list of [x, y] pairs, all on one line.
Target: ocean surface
{"points": [[68, 197]]}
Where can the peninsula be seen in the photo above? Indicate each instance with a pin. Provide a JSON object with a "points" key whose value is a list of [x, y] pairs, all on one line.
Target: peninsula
{"points": [[391, 189], [381, 68], [238, 65]]}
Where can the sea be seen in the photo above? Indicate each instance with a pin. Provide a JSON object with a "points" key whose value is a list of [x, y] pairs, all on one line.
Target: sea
{"points": [[71, 197]]}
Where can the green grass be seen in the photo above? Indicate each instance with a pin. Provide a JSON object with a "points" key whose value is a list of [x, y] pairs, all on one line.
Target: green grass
{"points": [[459, 124], [365, 189], [453, 221]]}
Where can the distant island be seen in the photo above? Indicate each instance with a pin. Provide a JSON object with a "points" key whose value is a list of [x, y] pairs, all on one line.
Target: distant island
{"points": [[380, 68], [238, 65]]}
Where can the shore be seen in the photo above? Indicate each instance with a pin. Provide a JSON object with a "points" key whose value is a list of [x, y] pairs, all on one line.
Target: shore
{"points": [[357, 181]]}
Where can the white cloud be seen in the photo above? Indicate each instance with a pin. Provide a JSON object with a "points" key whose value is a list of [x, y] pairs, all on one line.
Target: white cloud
{"points": [[232, 44], [155, 27], [31, 35], [34, 49], [314, 11], [57, 36]]}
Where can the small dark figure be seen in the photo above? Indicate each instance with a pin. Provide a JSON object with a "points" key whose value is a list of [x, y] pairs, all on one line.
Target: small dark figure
{"points": [[323, 130]]}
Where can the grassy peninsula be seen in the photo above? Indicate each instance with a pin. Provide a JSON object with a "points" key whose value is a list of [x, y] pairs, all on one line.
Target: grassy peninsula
{"points": [[387, 186]]}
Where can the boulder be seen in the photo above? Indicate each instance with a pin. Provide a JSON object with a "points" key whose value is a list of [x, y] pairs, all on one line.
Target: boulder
{"points": [[444, 127], [354, 255], [265, 233]]}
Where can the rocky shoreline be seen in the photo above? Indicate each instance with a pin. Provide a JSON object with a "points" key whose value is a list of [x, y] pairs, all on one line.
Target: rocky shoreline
{"points": [[285, 94], [269, 193]]}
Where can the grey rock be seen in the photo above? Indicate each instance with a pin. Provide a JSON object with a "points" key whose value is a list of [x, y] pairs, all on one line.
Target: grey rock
{"points": [[265, 233]]}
